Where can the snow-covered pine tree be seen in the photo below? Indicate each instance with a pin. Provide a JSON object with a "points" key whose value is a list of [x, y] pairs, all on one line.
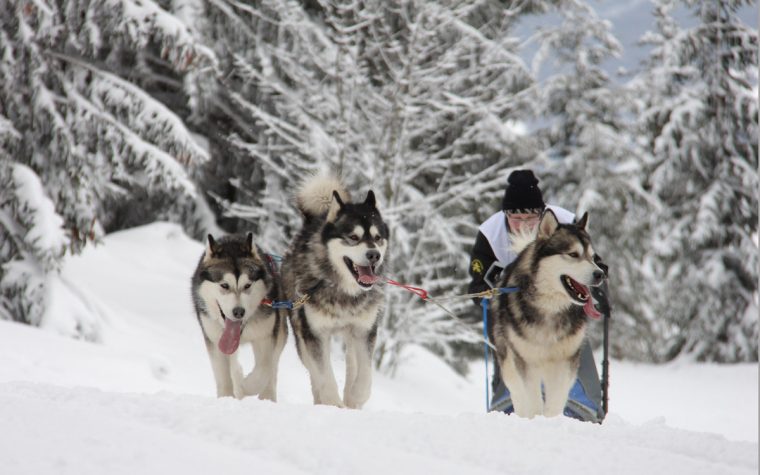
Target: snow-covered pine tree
{"points": [[32, 240], [589, 160], [85, 136], [266, 113], [699, 116]]}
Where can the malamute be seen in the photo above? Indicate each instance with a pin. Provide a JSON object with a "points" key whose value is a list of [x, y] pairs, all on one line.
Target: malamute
{"points": [[228, 287], [334, 261], [538, 330]]}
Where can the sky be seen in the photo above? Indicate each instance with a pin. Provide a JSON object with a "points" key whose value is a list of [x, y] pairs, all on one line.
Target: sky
{"points": [[629, 20], [141, 398]]}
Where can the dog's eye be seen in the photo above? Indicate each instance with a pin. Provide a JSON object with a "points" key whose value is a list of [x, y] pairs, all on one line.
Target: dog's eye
{"points": [[378, 238], [574, 255], [225, 286], [247, 286], [353, 237]]}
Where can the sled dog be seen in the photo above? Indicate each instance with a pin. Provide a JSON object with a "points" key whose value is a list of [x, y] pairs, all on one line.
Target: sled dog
{"points": [[227, 288], [538, 330], [334, 261]]}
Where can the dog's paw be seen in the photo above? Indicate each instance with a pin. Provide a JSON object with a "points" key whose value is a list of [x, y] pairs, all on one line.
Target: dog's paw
{"points": [[253, 384], [268, 395], [329, 401], [356, 399], [354, 404]]}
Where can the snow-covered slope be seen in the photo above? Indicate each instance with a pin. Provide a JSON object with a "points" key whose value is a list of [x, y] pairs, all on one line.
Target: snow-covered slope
{"points": [[141, 400]]}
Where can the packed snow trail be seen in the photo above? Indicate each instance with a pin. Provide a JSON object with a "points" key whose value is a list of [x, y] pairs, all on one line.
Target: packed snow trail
{"points": [[50, 429]]}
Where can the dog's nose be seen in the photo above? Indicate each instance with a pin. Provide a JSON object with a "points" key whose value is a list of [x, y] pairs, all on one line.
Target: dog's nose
{"points": [[373, 256], [598, 276], [238, 312]]}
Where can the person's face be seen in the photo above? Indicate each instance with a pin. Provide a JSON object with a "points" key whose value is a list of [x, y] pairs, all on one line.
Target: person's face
{"points": [[522, 222]]}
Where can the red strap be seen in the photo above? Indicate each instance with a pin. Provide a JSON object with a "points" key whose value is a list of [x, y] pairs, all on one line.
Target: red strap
{"points": [[422, 293]]}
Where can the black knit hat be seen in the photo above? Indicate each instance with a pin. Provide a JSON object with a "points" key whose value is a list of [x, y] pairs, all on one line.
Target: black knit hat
{"points": [[522, 192]]}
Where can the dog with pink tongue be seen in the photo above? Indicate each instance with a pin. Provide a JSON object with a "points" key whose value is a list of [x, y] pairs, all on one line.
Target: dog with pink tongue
{"points": [[335, 262], [230, 287], [538, 330]]}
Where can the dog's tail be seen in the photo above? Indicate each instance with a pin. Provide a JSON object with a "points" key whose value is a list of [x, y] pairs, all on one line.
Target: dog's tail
{"points": [[315, 197]]}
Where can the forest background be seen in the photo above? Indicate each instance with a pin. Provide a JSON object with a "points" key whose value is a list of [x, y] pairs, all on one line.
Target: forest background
{"points": [[208, 113]]}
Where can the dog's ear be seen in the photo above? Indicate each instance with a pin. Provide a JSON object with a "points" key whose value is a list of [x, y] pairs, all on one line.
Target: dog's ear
{"points": [[250, 248], [370, 200], [336, 206], [583, 222], [338, 200], [548, 225], [211, 247]]}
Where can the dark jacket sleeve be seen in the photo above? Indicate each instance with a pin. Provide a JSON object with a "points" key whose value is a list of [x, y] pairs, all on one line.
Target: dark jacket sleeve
{"points": [[601, 293], [481, 258]]}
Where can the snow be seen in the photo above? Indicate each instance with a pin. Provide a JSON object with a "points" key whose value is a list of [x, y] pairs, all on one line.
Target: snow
{"points": [[46, 229], [141, 400]]}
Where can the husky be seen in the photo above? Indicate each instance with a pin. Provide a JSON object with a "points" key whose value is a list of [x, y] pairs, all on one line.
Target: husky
{"points": [[228, 287], [538, 330], [334, 262]]}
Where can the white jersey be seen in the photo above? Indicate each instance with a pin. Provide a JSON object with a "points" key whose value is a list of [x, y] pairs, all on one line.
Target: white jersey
{"points": [[495, 230]]}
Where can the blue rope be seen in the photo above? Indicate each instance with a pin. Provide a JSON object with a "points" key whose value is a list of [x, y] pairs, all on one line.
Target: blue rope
{"points": [[484, 304], [508, 290]]}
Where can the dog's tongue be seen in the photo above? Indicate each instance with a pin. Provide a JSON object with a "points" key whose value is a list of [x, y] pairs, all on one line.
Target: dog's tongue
{"points": [[230, 339], [366, 276], [590, 310]]}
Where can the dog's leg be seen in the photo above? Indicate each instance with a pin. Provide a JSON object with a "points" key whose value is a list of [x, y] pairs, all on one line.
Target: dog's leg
{"points": [[359, 348], [220, 365], [266, 352], [350, 365], [270, 390], [323, 384], [263, 369], [524, 386], [314, 351], [557, 383], [236, 375]]}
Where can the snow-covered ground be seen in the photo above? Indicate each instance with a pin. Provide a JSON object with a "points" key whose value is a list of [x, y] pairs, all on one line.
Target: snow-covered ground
{"points": [[141, 400]]}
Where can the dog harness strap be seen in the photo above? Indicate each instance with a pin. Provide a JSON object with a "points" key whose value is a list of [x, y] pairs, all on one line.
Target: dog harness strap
{"points": [[277, 303], [290, 304], [272, 264], [508, 290]]}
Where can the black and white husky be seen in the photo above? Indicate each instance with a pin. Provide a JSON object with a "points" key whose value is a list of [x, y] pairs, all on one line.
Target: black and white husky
{"points": [[538, 330], [335, 260], [228, 287]]}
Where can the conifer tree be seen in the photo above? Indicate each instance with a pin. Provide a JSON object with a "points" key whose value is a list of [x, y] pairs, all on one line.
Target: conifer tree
{"points": [[85, 134], [590, 162], [699, 116]]}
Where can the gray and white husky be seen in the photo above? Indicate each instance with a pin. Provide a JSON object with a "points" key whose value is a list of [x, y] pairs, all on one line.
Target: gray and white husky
{"points": [[335, 260], [538, 330], [228, 287]]}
